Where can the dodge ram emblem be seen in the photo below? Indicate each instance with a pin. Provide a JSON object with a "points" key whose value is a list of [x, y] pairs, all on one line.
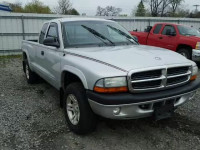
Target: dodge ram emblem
{"points": [[157, 58]]}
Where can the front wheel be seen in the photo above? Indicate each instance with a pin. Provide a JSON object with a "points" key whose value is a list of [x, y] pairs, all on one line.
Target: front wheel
{"points": [[185, 52], [79, 116]]}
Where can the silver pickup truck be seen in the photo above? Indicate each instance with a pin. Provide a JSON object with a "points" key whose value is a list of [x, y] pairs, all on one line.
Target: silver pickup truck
{"points": [[100, 70]]}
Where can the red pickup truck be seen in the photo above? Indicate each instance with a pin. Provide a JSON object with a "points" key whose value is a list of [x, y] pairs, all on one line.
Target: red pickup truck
{"points": [[180, 38]]}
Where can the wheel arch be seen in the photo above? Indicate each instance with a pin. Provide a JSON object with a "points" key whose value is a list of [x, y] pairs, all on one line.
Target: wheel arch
{"points": [[71, 74], [184, 46]]}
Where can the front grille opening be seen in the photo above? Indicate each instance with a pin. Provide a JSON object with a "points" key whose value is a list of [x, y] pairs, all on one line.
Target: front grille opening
{"points": [[171, 101], [145, 106], [177, 80], [147, 84], [157, 104], [177, 100], [146, 75], [166, 102], [177, 71]]}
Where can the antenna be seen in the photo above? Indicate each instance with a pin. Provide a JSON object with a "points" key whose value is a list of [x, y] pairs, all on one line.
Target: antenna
{"points": [[196, 7]]}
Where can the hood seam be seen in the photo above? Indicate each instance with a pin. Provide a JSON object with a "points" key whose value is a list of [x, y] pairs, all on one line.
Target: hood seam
{"points": [[96, 60]]}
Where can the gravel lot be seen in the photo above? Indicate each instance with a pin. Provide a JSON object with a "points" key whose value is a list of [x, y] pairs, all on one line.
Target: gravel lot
{"points": [[30, 118]]}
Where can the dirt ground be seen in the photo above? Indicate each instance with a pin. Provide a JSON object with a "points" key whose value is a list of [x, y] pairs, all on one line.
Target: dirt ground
{"points": [[31, 118]]}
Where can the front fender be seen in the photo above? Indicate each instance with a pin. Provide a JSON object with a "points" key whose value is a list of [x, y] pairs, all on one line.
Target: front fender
{"points": [[76, 72]]}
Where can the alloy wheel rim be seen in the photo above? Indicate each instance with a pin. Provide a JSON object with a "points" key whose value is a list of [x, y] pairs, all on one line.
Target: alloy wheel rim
{"points": [[73, 110]]}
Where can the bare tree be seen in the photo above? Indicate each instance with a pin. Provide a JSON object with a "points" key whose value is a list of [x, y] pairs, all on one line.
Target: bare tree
{"points": [[165, 4], [108, 11], [174, 5], [64, 7], [162, 7], [100, 11], [154, 6]]}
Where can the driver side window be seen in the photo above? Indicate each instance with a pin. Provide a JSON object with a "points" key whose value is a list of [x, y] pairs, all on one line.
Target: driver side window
{"points": [[168, 27], [53, 31], [43, 32]]}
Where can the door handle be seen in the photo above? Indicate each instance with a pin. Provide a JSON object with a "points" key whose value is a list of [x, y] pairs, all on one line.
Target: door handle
{"points": [[161, 37], [42, 52]]}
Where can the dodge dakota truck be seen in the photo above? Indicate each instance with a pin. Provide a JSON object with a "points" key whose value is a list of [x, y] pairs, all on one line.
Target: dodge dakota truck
{"points": [[100, 70], [180, 38]]}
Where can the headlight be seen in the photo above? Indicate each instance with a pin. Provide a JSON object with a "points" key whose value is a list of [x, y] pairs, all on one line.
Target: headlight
{"points": [[194, 72], [111, 85], [197, 46]]}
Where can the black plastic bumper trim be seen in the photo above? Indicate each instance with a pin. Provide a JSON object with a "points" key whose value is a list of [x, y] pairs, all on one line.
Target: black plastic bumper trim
{"points": [[129, 98]]}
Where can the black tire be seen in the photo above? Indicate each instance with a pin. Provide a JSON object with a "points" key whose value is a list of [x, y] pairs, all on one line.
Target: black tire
{"points": [[87, 119], [185, 52], [31, 77]]}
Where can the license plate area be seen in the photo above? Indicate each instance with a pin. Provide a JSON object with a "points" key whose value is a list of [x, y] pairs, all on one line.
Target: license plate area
{"points": [[164, 111]]}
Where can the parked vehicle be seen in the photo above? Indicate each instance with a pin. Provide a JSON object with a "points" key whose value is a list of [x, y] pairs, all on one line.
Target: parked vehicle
{"points": [[179, 38], [99, 69]]}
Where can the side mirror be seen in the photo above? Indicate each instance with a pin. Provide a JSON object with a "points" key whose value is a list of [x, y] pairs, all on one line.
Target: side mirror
{"points": [[148, 29], [51, 41], [170, 33]]}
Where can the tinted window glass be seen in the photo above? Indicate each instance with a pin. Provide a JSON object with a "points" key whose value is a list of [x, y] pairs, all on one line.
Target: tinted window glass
{"points": [[52, 31], [157, 29], [167, 27], [42, 33], [95, 33], [188, 31]]}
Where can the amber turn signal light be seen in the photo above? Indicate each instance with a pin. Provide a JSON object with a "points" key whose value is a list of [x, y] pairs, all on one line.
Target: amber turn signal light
{"points": [[110, 90], [193, 77]]}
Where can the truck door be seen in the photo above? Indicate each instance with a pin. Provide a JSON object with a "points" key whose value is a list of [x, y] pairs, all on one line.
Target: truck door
{"points": [[154, 36], [51, 61], [39, 51], [168, 38]]}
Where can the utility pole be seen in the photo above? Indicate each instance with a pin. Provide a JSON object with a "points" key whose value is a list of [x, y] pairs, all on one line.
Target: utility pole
{"points": [[196, 10]]}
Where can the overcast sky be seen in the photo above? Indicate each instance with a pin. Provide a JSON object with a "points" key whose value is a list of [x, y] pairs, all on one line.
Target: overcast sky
{"points": [[89, 6]]}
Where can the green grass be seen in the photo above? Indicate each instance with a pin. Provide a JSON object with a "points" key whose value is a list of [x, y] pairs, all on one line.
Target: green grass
{"points": [[6, 59], [10, 56]]}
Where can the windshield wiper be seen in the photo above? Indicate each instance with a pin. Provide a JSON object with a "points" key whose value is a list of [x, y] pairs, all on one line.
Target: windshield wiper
{"points": [[122, 33], [97, 34]]}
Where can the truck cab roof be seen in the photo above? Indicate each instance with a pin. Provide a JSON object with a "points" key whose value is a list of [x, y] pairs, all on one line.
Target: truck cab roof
{"points": [[77, 19]]}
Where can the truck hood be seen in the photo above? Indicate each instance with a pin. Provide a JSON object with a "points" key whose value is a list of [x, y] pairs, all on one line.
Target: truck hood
{"points": [[130, 57], [192, 38]]}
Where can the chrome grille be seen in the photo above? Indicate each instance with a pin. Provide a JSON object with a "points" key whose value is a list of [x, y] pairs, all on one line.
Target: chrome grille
{"points": [[158, 78], [177, 71], [176, 80], [147, 84], [146, 75]]}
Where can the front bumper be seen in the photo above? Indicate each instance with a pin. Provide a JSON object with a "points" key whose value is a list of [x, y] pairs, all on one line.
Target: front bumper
{"points": [[196, 55], [132, 106]]}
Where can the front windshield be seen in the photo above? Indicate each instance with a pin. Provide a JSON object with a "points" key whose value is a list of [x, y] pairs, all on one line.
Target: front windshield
{"points": [[95, 33], [188, 31]]}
